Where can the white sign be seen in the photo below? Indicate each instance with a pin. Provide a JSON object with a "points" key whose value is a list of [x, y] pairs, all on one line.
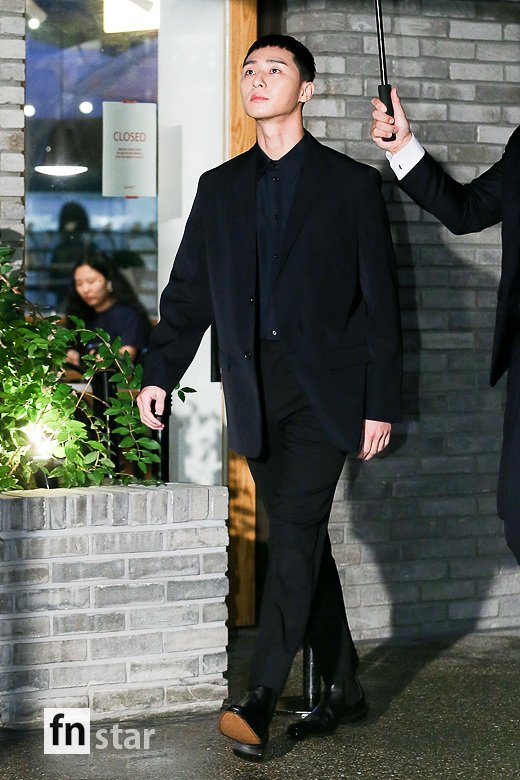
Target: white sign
{"points": [[129, 149]]}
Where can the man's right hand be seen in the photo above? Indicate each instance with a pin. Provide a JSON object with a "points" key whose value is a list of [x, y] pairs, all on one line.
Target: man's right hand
{"points": [[144, 402], [384, 126]]}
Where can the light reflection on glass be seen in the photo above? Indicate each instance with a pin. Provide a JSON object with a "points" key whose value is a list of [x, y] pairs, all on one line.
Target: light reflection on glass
{"points": [[86, 107]]}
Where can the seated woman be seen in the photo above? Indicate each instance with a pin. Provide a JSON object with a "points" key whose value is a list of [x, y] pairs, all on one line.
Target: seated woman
{"points": [[101, 296]]}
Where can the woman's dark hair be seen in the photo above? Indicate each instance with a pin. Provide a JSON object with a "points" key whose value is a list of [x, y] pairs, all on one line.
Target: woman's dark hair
{"points": [[74, 212], [122, 290], [302, 56]]}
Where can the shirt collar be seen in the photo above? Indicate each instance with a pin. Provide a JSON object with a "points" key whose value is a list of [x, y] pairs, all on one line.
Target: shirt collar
{"points": [[290, 161]]}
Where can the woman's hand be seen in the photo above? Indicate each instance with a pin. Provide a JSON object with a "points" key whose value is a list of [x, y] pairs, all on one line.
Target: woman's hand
{"points": [[132, 351], [73, 357]]}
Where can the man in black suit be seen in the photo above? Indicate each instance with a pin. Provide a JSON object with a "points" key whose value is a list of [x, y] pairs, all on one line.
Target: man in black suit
{"points": [[287, 250], [491, 198]]}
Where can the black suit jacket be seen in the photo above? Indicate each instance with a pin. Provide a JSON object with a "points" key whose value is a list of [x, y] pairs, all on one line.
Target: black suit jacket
{"points": [[335, 296], [493, 197]]}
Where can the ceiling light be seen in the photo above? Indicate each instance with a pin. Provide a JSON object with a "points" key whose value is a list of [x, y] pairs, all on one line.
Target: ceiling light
{"points": [[35, 15], [86, 107], [61, 154]]}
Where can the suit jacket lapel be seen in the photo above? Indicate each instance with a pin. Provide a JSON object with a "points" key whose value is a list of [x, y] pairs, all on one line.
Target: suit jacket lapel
{"points": [[307, 190], [241, 197], [242, 203]]}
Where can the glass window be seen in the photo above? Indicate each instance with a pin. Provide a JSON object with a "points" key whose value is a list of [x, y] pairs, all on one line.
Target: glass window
{"points": [[73, 66]]}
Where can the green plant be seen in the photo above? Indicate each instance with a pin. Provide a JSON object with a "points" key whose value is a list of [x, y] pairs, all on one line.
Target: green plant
{"points": [[46, 425]]}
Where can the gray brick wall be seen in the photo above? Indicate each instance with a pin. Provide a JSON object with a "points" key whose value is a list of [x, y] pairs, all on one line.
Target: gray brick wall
{"points": [[416, 535], [113, 599], [12, 76]]}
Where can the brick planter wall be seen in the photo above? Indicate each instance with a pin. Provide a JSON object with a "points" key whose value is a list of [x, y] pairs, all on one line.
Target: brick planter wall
{"points": [[113, 599], [416, 535]]}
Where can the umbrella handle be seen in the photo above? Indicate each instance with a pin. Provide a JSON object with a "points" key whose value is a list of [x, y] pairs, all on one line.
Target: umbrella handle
{"points": [[386, 98]]}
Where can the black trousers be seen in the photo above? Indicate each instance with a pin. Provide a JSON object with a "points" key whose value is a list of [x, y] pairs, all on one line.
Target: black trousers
{"points": [[508, 492], [296, 477]]}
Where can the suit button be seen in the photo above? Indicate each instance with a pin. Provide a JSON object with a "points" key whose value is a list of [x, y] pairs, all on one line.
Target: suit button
{"points": [[247, 355], [251, 300]]}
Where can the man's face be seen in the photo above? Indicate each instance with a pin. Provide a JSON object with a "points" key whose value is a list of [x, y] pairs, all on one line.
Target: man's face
{"points": [[271, 85]]}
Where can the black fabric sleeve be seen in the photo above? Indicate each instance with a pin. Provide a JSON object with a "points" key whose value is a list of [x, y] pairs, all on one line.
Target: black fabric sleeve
{"points": [[186, 309], [462, 208], [378, 278]]}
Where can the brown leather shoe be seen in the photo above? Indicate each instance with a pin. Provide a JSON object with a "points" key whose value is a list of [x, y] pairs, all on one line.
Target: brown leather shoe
{"points": [[340, 703], [247, 723]]}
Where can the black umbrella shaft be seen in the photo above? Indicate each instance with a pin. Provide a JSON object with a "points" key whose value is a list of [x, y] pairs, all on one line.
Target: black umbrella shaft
{"points": [[381, 42]]}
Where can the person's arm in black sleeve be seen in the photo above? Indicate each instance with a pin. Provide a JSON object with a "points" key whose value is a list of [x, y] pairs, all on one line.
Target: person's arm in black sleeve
{"points": [[462, 208], [378, 278], [186, 309]]}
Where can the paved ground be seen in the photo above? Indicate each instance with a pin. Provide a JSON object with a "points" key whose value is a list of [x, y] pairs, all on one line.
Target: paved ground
{"points": [[441, 710]]}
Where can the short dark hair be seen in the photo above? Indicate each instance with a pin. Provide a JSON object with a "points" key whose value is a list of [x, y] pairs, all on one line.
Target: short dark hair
{"points": [[302, 56], [74, 212]]}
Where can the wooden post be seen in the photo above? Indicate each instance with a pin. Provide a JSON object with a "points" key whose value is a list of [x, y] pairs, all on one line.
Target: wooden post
{"points": [[242, 32], [242, 499]]}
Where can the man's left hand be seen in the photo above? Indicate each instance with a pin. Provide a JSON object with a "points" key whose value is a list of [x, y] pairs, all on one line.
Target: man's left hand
{"points": [[376, 436]]}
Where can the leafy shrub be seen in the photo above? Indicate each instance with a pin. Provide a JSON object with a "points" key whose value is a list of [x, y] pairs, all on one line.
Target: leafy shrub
{"points": [[46, 425]]}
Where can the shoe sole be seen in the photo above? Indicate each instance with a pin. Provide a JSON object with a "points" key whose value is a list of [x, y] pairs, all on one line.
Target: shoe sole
{"points": [[233, 726]]}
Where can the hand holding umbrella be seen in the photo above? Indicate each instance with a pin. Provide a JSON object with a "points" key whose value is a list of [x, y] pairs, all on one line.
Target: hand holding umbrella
{"points": [[383, 126], [384, 88]]}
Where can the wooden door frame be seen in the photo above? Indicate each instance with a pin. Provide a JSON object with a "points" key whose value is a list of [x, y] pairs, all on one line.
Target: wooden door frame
{"points": [[243, 25]]}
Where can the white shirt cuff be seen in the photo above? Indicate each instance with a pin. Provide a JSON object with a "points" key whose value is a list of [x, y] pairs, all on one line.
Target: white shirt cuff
{"points": [[407, 158]]}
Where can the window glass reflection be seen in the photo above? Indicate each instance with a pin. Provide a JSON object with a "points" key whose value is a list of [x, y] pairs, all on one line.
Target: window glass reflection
{"points": [[72, 67]]}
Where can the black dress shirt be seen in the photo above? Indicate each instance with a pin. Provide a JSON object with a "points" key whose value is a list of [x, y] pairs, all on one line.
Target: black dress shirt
{"points": [[275, 188]]}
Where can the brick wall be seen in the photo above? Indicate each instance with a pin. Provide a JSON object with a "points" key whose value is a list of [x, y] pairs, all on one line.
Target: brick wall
{"points": [[12, 76], [113, 599], [416, 535]]}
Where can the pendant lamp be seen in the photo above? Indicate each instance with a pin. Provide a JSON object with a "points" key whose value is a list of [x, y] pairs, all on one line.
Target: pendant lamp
{"points": [[61, 156]]}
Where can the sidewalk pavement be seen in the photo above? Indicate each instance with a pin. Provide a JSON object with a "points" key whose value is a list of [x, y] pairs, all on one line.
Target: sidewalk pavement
{"points": [[445, 709]]}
